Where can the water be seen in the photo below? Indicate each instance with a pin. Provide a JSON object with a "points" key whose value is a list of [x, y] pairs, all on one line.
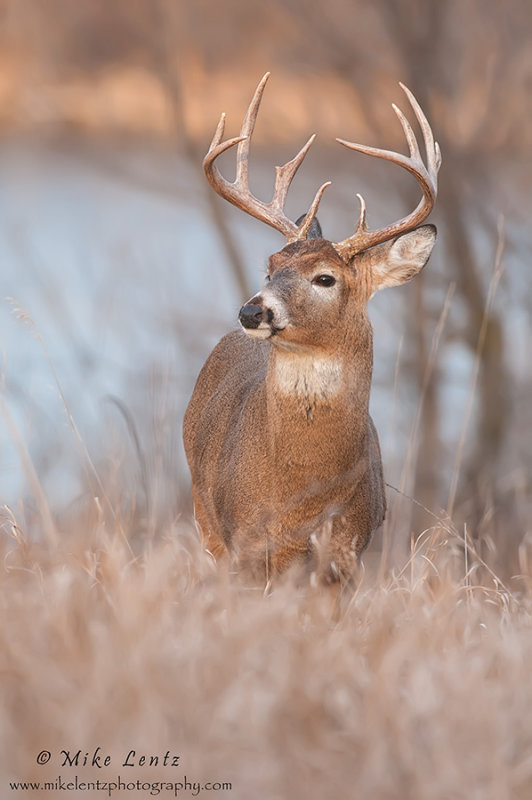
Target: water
{"points": [[102, 273], [119, 288]]}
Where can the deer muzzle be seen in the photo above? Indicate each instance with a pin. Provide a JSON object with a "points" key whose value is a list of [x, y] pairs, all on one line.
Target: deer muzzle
{"points": [[251, 315]]}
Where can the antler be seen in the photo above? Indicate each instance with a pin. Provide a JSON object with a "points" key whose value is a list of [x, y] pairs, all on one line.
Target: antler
{"points": [[238, 192], [426, 176]]}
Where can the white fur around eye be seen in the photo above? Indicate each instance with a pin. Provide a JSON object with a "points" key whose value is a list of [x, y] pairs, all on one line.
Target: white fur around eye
{"points": [[324, 280], [325, 292]]}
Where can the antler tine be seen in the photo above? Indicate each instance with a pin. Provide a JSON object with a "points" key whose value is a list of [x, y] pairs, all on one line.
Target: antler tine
{"points": [[285, 174], [283, 178], [426, 176], [304, 227], [218, 133], [238, 192], [246, 132], [218, 147], [361, 224], [409, 133], [432, 148]]}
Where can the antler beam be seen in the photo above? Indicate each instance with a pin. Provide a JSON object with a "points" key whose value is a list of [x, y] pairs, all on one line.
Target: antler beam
{"points": [[425, 174]]}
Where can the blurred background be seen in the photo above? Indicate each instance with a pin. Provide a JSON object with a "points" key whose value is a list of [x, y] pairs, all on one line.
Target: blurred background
{"points": [[120, 268]]}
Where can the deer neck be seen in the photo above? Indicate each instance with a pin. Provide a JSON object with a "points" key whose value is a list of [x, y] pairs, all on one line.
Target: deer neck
{"points": [[306, 380], [311, 394], [317, 418]]}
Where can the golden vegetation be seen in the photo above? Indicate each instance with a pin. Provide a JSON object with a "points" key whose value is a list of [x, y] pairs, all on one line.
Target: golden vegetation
{"points": [[415, 686]]}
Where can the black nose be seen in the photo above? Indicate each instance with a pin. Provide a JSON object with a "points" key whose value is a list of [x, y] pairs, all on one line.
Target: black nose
{"points": [[251, 315]]}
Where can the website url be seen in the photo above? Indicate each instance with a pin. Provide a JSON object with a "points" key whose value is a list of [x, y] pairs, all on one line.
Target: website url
{"points": [[152, 788]]}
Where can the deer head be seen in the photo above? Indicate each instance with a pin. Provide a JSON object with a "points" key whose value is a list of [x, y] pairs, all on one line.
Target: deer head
{"points": [[356, 267]]}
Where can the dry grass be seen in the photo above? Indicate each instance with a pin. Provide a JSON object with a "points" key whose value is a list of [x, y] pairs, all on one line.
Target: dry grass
{"points": [[417, 687], [120, 634]]}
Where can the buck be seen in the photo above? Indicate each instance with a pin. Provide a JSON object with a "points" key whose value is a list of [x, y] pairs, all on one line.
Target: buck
{"points": [[284, 457]]}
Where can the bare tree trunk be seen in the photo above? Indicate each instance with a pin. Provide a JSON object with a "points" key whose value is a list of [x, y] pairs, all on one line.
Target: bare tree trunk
{"points": [[425, 485], [493, 382], [167, 18], [421, 33]]}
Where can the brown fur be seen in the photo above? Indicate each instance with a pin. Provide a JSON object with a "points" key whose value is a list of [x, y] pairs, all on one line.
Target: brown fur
{"points": [[283, 476]]}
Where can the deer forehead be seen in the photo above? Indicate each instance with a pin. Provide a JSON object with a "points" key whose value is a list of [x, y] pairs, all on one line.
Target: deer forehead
{"points": [[305, 257]]}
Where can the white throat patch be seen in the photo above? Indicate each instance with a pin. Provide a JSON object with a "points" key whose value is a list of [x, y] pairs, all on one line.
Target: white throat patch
{"points": [[314, 378]]}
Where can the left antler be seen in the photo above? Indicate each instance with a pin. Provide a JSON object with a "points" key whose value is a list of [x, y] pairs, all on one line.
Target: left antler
{"points": [[238, 193]]}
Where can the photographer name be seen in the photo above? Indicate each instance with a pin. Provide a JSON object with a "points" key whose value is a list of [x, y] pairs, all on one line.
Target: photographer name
{"points": [[97, 758]]}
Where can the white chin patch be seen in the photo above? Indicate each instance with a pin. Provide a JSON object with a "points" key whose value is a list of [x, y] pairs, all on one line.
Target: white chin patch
{"points": [[260, 332]]}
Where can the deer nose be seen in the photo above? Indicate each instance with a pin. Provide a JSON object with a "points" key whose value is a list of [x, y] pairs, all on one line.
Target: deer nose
{"points": [[251, 315]]}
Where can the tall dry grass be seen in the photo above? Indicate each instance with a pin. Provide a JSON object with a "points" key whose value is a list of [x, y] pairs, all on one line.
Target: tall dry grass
{"points": [[415, 686], [120, 636]]}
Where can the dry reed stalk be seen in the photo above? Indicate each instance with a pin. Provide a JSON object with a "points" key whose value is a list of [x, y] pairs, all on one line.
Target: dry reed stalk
{"points": [[418, 689]]}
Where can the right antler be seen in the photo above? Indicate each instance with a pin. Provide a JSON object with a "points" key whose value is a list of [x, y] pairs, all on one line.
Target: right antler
{"points": [[426, 175], [238, 193]]}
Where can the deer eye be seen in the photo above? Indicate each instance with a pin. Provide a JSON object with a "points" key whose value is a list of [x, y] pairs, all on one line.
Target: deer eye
{"points": [[324, 280]]}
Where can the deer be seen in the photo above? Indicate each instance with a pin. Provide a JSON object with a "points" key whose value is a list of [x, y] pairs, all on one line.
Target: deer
{"points": [[284, 457]]}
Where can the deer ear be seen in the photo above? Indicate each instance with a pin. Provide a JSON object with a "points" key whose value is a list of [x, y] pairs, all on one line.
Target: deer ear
{"points": [[314, 232], [403, 257]]}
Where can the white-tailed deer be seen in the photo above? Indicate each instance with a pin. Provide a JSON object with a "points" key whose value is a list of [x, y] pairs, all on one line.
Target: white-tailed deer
{"points": [[281, 447]]}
